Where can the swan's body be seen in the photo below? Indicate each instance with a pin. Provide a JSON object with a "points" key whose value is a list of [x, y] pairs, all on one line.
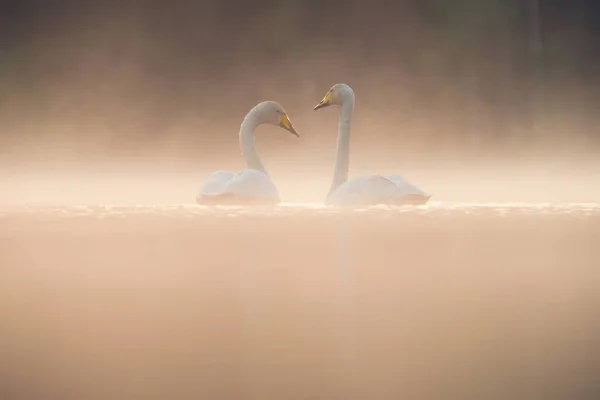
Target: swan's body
{"points": [[365, 190], [245, 187], [377, 189], [253, 185]]}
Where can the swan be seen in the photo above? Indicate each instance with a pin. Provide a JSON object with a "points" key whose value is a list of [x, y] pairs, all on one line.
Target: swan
{"points": [[252, 185], [364, 190]]}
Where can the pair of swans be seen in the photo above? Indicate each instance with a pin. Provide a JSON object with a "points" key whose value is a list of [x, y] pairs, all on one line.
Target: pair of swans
{"points": [[253, 185]]}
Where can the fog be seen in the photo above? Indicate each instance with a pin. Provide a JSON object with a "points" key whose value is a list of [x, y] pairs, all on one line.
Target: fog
{"points": [[142, 104], [135, 104]]}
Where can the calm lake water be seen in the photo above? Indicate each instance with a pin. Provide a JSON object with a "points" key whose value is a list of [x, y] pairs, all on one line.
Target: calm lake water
{"points": [[300, 301]]}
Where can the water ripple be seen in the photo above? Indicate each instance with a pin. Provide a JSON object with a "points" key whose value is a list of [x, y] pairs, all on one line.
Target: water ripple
{"points": [[433, 209]]}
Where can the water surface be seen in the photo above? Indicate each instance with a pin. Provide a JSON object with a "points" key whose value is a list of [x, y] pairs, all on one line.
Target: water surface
{"points": [[302, 301]]}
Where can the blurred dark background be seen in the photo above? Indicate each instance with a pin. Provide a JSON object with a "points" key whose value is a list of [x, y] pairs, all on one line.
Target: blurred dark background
{"points": [[83, 80]]}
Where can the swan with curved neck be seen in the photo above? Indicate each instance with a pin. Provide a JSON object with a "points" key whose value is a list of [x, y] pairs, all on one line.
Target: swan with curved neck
{"points": [[252, 185], [365, 190]]}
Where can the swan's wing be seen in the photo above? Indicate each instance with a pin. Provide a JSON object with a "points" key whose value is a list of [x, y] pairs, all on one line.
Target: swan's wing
{"points": [[377, 189], [404, 186], [216, 184], [255, 184], [247, 186], [363, 190]]}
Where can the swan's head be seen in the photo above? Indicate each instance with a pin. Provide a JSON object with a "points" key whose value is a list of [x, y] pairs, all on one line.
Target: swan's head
{"points": [[272, 113], [338, 94]]}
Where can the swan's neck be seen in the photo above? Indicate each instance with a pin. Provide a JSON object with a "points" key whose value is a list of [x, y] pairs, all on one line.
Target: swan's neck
{"points": [[342, 154], [247, 143]]}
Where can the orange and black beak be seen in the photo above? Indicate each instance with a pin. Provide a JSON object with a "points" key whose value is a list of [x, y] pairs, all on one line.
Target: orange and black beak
{"points": [[286, 124], [325, 102]]}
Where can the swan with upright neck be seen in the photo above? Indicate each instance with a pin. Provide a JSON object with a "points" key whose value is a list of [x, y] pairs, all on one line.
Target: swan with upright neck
{"points": [[253, 185], [364, 190]]}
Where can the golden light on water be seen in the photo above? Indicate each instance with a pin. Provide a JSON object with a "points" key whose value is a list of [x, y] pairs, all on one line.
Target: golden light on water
{"points": [[115, 285], [299, 300]]}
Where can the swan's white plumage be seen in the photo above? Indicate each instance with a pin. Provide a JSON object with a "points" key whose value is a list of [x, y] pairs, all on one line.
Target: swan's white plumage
{"points": [[405, 188], [253, 184], [248, 185], [365, 190], [375, 189], [217, 183]]}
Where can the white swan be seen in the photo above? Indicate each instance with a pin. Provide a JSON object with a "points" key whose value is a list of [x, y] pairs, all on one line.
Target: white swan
{"points": [[252, 185], [364, 190]]}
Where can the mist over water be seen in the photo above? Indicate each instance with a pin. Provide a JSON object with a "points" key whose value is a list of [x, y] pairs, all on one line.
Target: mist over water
{"points": [[170, 84], [301, 181], [115, 285], [131, 103]]}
